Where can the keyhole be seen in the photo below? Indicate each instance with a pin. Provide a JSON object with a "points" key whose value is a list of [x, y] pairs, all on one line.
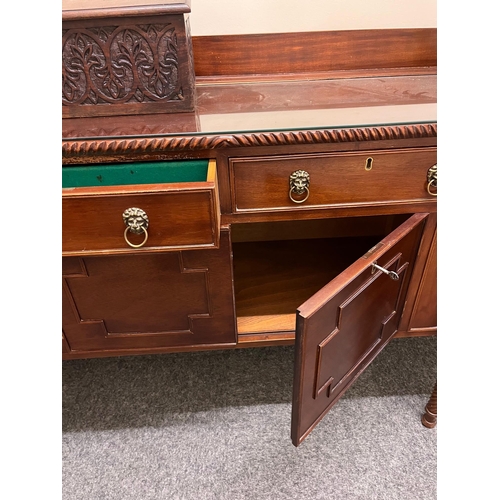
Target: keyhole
{"points": [[369, 163]]}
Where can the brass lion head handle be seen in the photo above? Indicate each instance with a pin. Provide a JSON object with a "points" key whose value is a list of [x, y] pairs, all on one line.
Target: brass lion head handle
{"points": [[299, 184], [137, 222], [432, 180]]}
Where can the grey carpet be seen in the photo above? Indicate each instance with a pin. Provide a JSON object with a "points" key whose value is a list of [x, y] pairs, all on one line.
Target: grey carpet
{"points": [[215, 426]]}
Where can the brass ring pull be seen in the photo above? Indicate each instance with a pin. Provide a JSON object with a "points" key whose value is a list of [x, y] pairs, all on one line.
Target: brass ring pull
{"points": [[432, 180], [431, 183], [299, 184], [144, 230], [298, 201], [137, 222]]}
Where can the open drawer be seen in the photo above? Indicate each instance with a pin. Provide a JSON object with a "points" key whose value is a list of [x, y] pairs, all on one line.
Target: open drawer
{"points": [[352, 315], [130, 207]]}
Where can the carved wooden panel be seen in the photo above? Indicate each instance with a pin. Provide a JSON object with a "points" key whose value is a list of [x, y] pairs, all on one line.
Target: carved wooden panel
{"points": [[129, 65], [119, 303], [342, 328]]}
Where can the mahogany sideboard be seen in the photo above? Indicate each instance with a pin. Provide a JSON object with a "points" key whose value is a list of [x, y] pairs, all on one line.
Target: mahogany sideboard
{"points": [[281, 211]]}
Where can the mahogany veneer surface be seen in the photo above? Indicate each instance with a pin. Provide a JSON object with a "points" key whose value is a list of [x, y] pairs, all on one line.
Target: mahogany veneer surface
{"points": [[424, 313], [274, 53], [252, 105], [128, 303], [181, 215], [275, 277], [342, 328], [261, 121], [335, 179]]}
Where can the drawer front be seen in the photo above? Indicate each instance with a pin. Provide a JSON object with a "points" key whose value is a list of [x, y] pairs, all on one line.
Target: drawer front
{"points": [[180, 215], [335, 179]]}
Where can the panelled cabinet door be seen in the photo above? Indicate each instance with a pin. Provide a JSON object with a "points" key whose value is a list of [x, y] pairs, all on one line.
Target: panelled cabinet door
{"points": [[147, 303], [423, 318], [343, 327]]}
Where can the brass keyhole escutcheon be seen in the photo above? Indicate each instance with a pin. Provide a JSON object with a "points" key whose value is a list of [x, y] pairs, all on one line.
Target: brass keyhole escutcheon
{"points": [[432, 180], [137, 222], [299, 184], [369, 163]]}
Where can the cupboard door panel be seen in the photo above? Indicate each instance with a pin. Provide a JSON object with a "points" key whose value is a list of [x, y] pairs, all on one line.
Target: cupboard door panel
{"points": [[343, 327], [424, 314], [127, 303]]}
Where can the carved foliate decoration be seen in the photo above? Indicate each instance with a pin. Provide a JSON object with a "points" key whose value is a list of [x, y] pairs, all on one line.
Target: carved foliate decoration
{"points": [[120, 64]]}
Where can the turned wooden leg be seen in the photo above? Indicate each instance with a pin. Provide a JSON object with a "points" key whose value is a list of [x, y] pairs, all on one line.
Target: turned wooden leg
{"points": [[429, 418]]}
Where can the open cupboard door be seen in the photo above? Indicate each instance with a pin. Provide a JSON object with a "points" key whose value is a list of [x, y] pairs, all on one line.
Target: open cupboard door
{"points": [[343, 327]]}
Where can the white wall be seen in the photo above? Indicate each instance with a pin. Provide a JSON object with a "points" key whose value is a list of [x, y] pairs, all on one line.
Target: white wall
{"points": [[231, 17]]}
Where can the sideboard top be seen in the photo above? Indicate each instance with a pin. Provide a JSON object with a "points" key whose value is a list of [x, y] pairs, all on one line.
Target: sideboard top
{"points": [[388, 92], [273, 113], [277, 106]]}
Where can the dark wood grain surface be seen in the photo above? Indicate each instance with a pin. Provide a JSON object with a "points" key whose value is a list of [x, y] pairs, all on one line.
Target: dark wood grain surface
{"points": [[335, 179], [132, 304], [314, 51], [305, 102], [322, 77], [181, 215], [420, 314], [341, 328], [275, 277], [424, 314]]}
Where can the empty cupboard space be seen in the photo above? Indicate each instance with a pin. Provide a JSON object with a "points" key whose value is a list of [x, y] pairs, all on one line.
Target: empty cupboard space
{"points": [[279, 265]]}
